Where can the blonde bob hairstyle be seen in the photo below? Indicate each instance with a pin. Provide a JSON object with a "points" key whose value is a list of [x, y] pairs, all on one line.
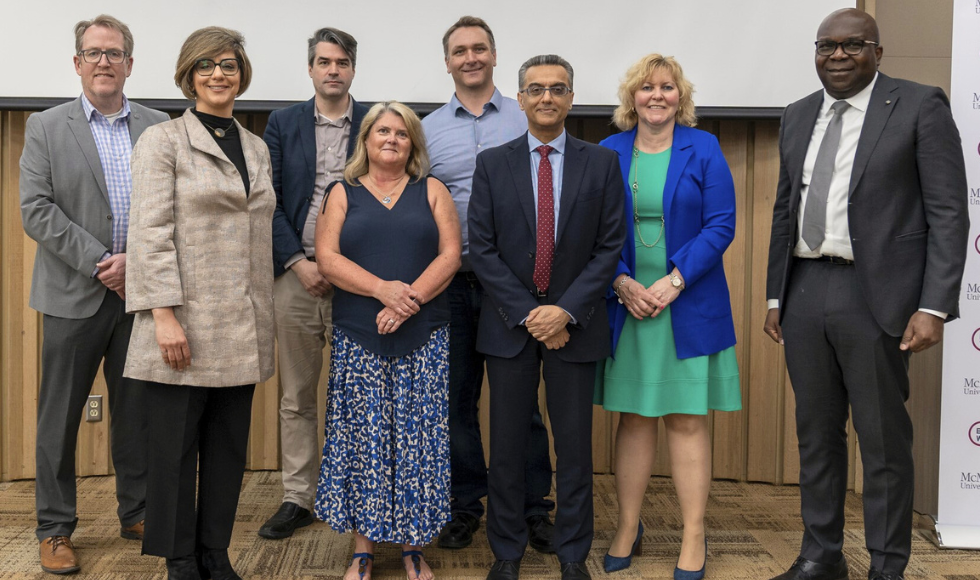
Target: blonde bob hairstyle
{"points": [[209, 42], [417, 165], [625, 116]]}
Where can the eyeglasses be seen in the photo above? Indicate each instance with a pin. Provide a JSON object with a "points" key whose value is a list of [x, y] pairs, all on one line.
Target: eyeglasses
{"points": [[538, 90], [205, 67], [94, 55], [852, 46]]}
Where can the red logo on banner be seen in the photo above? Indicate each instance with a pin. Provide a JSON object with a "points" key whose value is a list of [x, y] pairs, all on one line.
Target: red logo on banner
{"points": [[976, 244], [976, 339], [975, 433]]}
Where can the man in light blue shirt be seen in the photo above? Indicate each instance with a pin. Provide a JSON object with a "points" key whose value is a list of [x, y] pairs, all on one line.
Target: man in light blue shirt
{"points": [[476, 118]]}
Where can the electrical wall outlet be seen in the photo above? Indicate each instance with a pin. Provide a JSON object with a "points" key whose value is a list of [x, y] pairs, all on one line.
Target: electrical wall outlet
{"points": [[93, 410]]}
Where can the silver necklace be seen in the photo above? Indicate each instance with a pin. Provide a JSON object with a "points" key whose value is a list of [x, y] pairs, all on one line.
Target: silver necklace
{"points": [[636, 213], [387, 199]]}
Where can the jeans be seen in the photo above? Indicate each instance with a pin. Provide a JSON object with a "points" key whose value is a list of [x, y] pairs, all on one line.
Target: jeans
{"points": [[469, 467]]}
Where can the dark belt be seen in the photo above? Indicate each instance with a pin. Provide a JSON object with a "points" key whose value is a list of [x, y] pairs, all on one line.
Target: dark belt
{"points": [[832, 259], [539, 293]]}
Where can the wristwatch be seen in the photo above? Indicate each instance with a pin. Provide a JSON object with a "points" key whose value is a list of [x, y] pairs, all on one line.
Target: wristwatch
{"points": [[676, 281]]}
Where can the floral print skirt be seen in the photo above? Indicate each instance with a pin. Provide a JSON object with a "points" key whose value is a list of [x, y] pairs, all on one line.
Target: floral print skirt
{"points": [[385, 468]]}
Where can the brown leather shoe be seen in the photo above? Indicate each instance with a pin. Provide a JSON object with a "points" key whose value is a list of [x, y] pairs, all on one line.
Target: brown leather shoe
{"points": [[133, 532], [58, 555]]}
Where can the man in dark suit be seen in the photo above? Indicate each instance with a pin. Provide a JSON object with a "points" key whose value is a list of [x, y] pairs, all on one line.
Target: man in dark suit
{"points": [[546, 229], [309, 144], [868, 245], [75, 186]]}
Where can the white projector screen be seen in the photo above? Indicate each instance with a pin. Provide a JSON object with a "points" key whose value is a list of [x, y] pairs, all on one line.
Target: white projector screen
{"points": [[748, 53]]}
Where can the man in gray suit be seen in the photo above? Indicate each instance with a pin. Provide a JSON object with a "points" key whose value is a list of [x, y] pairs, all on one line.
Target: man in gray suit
{"points": [[869, 239], [75, 184]]}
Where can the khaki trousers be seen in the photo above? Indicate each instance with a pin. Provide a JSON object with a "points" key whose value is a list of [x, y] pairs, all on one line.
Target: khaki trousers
{"points": [[303, 328]]}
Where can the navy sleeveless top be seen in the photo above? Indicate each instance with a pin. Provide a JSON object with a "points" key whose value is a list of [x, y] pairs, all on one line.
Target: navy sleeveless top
{"points": [[396, 243]]}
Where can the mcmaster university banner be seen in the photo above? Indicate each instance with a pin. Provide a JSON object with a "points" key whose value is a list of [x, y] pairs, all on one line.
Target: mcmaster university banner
{"points": [[958, 524]]}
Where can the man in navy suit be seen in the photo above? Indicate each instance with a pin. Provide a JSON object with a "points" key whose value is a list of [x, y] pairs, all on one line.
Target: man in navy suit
{"points": [[869, 239], [545, 232], [309, 144]]}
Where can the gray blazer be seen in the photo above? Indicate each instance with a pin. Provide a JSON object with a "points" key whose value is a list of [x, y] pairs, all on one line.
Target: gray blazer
{"points": [[199, 245], [907, 211], [64, 205]]}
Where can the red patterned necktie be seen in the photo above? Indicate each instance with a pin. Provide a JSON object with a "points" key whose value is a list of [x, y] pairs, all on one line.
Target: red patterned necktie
{"points": [[546, 221]]}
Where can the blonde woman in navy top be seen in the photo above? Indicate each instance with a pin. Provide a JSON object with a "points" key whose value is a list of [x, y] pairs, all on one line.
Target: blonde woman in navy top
{"points": [[389, 241]]}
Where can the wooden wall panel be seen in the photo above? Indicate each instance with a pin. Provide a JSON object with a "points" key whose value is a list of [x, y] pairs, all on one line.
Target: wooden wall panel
{"points": [[765, 385], [728, 429], [19, 326]]}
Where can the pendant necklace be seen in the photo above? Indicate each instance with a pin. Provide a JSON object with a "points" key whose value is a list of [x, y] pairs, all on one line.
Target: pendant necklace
{"points": [[636, 214], [219, 132], [387, 199]]}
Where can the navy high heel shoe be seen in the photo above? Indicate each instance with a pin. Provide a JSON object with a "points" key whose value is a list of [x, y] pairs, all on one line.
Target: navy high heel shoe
{"points": [[614, 563], [689, 575], [364, 559], [416, 560]]}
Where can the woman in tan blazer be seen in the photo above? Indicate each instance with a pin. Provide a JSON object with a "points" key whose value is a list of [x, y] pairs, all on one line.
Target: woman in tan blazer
{"points": [[200, 282]]}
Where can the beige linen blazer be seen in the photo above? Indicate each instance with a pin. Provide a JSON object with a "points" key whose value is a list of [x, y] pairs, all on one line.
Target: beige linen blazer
{"points": [[197, 244]]}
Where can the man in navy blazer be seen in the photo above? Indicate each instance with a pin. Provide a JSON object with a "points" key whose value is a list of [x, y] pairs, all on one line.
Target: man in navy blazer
{"points": [[875, 285], [546, 229], [309, 144]]}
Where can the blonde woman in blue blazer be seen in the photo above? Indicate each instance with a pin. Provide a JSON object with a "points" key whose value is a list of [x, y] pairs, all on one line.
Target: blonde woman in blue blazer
{"points": [[672, 332]]}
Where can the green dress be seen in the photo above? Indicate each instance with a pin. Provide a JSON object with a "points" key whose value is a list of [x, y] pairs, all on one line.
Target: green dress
{"points": [[646, 377]]}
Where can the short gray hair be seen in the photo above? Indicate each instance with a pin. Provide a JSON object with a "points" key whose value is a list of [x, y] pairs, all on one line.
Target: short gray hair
{"points": [[541, 60], [345, 41]]}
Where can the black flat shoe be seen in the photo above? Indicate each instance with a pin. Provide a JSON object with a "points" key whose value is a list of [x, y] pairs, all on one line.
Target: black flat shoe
{"points": [[803, 569], [575, 571], [216, 562], [541, 533], [182, 568], [284, 522], [505, 570], [458, 533]]}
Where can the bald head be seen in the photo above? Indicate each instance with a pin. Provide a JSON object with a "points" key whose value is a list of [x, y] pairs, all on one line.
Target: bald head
{"points": [[856, 17], [844, 75]]}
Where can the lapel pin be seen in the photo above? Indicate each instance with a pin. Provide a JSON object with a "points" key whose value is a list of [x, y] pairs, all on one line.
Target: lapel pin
{"points": [[888, 102]]}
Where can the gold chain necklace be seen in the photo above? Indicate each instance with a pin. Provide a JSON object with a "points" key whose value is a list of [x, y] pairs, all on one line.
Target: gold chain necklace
{"points": [[218, 131], [636, 214]]}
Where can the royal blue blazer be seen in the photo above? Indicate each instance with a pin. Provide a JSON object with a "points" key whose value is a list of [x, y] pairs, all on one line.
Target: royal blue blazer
{"points": [[699, 217]]}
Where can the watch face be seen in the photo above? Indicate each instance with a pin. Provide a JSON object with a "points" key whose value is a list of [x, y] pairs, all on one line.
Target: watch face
{"points": [[675, 281]]}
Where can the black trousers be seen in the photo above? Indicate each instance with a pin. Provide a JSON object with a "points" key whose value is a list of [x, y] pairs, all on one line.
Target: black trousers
{"points": [[837, 356], [513, 398], [198, 436], [70, 358], [469, 469]]}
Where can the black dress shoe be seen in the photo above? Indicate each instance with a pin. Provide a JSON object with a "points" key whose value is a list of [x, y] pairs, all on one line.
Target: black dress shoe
{"points": [[285, 521], [574, 571], [458, 533], [874, 574], [505, 570], [803, 569], [182, 568], [217, 564], [540, 532]]}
